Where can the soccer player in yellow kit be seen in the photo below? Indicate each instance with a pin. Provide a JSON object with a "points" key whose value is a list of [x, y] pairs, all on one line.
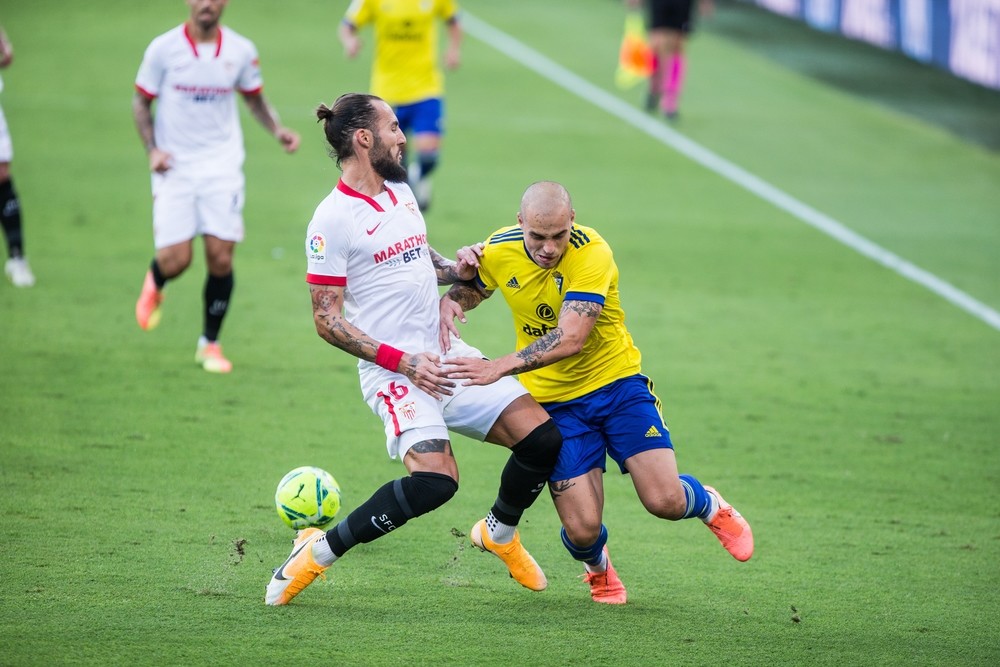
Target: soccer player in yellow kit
{"points": [[405, 71], [577, 358]]}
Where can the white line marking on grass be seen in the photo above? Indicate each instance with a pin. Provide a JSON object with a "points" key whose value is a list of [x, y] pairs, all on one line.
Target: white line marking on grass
{"points": [[562, 77]]}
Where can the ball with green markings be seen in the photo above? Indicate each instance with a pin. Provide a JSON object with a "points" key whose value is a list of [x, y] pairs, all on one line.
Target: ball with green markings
{"points": [[307, 496]]}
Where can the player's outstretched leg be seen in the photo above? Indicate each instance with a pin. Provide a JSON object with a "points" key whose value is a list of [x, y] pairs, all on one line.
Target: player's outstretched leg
{"points": [[522, 566], [297, 572], [731, 528]]}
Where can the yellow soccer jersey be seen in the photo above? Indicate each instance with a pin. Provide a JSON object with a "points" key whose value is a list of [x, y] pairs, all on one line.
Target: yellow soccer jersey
{"points": [[405, 69], [586, 272]]}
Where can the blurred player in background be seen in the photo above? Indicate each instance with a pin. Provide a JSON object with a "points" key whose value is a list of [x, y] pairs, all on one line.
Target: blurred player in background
{"points": [[405, 71], [578, 360], [374, 282], [16, 268], [196, 154], [669, 22]]}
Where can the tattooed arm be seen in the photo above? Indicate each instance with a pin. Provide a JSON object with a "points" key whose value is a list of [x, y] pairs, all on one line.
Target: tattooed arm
{"points": [[464, 295], [449, 272], [461, 297], [422, 368], [576, 320]]}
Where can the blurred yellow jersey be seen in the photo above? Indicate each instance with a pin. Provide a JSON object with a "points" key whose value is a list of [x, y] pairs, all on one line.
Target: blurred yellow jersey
{"points": [[405, 69], [586, 272]]}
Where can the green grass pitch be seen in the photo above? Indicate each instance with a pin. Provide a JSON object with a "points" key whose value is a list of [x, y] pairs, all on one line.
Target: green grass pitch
{"points": [[852, 415]]}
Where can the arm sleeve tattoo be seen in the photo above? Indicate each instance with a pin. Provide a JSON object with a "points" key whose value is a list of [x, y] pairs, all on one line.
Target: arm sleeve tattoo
{"points": [[444, 268], [533, 356], [467, 294], [334, 329]]}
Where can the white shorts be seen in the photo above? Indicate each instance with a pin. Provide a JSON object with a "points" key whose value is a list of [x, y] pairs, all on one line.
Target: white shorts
{"points": [[410, 415], [6, 147], [186, 206]]}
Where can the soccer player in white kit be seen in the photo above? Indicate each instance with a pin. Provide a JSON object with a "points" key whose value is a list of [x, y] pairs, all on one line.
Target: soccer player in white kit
{"points": [[195, 147], [374, 282], [16, 268]]}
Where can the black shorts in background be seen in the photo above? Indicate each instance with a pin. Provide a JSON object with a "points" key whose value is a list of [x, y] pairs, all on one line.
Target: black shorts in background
{"points": [[674, 14]]}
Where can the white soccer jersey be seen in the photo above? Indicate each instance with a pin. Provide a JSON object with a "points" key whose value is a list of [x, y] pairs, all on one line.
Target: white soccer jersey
{"points": [[196, 118], [376, 248]]}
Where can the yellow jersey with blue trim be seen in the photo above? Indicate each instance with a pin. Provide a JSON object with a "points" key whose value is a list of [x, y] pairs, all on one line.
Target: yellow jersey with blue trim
{"points": [[405, 68], [586, 272]]}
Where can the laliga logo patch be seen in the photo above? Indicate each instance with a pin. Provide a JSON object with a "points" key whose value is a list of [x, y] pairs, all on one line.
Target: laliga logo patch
{"points": [[316, 247]]}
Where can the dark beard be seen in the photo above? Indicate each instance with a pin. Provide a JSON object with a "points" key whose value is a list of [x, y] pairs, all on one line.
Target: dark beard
{"points": [[385, 166]]}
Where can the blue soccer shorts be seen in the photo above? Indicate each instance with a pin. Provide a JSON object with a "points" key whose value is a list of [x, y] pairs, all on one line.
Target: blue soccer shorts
{"points": [[421, 117], [619, 420]]}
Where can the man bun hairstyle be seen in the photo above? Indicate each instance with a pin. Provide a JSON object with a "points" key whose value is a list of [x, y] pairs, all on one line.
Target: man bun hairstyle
{"points": [[349, 113]]}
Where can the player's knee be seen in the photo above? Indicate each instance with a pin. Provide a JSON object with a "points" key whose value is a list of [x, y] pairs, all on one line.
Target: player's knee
{"points": [[540, 448], [666, 505], [220, 264], [583, 532], [584, 546], [426, 491], [174, 262]]}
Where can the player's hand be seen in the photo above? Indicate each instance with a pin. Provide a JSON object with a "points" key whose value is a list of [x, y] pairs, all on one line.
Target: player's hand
{"points": [[352, 45], [289, 139], [159, 160], [449, 311], [452, 58], [424, 370], [467, 261], [472, 370]]}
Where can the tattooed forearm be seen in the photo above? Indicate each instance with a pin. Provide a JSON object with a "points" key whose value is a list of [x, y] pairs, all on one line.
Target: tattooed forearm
{"points": [[467, 295], [334, 329], [576, 320], [444, 268], [531, 356]]}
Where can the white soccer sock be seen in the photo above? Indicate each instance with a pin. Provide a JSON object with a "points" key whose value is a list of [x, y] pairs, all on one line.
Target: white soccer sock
{"points": [[715, 506], [600, 567], [322, 553], [500, 533]]}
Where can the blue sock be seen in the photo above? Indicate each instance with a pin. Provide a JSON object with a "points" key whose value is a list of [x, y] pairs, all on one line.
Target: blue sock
{"points": [[591, 555], [699, 501]]}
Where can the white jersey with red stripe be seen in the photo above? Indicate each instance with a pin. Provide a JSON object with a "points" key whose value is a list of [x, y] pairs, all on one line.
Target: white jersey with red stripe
{"points": [[376, 248], [196, 118]]}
